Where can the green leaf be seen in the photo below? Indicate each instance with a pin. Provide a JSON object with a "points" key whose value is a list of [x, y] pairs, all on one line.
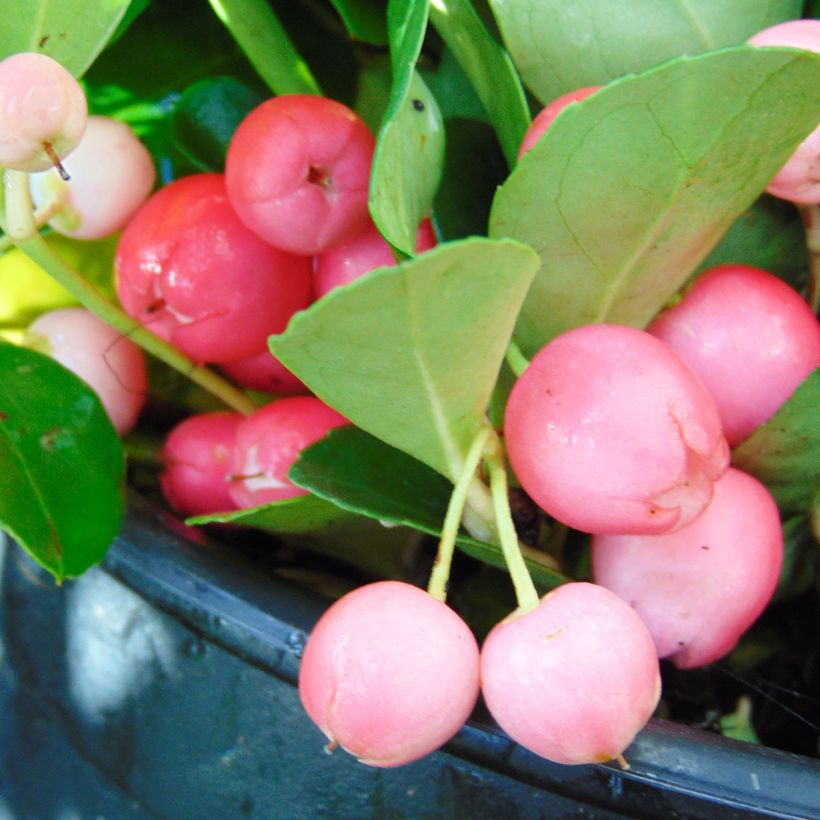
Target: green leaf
{"points": [[362, 474], [267, 45], [559, 46], [410, 144], [784, 453], [326, 528], [73, 32], [364, 20], [61, 464], [489, 68], [206, 116], [411, 353], [631, 188], [770, 236]]}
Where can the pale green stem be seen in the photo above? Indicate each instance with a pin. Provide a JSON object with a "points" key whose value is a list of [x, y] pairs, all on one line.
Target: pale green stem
{"points": [[41, 217], [811, 221], [525, 591], [517, 361], [21, 228], [444, 558]]}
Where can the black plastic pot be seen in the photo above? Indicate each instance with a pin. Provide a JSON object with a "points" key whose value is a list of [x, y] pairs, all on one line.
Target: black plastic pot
{"points": [[163, 685]]}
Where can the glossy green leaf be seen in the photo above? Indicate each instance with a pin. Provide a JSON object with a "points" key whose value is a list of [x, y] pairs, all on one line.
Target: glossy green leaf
{"points": [[73, 32], [61, 464], [411, 353], [631, 188], [364, 20], [326, 528], [362, 474], [206, 116], [785, 452], [410, 143], [489, 68], [770, 236], [267, 45], [559, 46]]}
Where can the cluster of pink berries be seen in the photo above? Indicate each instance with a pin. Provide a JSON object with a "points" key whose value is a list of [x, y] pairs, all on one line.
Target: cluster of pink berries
{"points": [[618, 432]]}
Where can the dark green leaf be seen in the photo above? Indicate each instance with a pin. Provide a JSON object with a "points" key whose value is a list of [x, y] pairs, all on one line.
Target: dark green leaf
{"points": [[559, 46], [799, 558], [206, 116], [452, 90], [61, 464], [364, 20], [631, 188], [73, 32], [785, 452], [489, 68], [267, 45], [362, 474], [411, 353]]}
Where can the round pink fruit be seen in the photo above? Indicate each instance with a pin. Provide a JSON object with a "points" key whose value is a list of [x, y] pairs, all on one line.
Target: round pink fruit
{"points": [[298, 171], [748, 336], [263, 371], [269, 442], [197, 463], [112, 174], [110, 363], [544, 119], [389, 673], [42, 112], [190, 271], [573, 680], [799, 179], [363, 252], [698, 589], [608, 430]]}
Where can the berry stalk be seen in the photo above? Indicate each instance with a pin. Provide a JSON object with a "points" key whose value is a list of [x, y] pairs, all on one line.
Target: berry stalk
{"points": [[20, 226]]}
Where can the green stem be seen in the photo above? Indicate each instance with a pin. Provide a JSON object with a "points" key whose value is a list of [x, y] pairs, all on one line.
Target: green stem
{"points": [[21, 228], [525, 591], [441, 569], [266, 44], [517, 361], [811, 221]]}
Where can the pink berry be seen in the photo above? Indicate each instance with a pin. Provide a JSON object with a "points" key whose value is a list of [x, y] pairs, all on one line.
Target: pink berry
{"points": [[799, 179], [609, 431], [197, 458], [698, 589], [190, 271], [263, 371], [298, 171], [389, 673], [42, 112], [112, 174], [544, 119], [360, 254], [573, 680], [748, 336], [269, 441], [110, 363]]}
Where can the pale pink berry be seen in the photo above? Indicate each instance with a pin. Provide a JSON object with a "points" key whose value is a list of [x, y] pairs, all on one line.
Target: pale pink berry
{"points": [[190, 271], [799, 179], [608, 430], [748, 336], [270, 441], [544, 119], [700, 588], [263, 371], [42, 112], [389, 673], [573, 680], [111, 173], [197, 463], [298, 171], [363, 252], [110, 363]]}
